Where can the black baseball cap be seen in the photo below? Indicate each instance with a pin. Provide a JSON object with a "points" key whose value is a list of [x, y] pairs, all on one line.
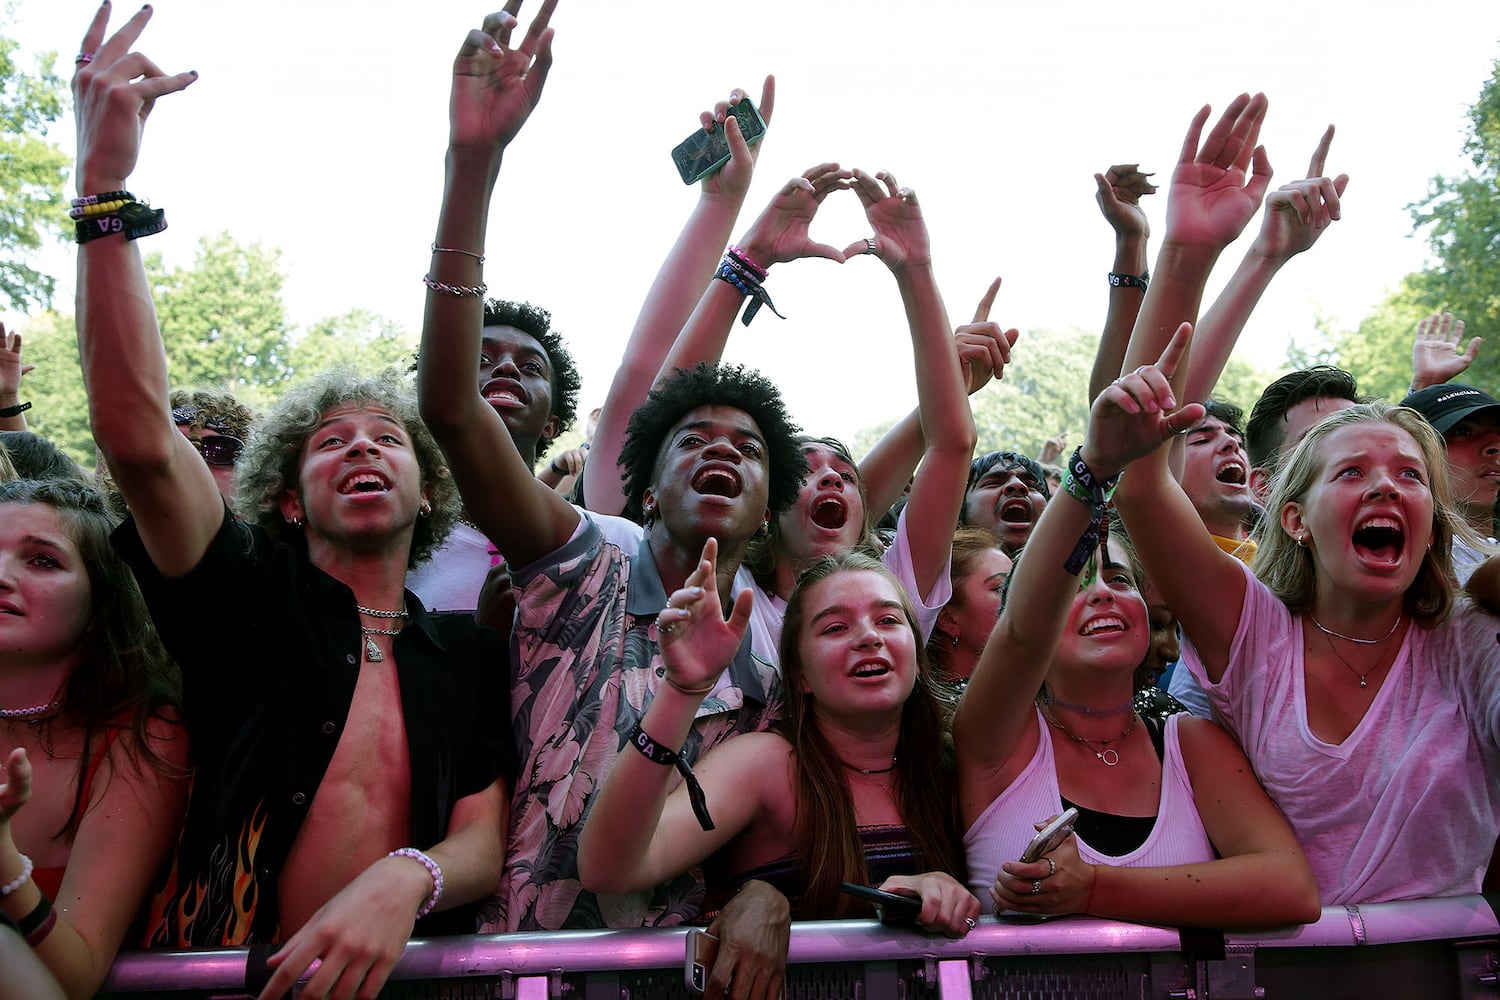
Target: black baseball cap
{"points": [[1445, 405]]}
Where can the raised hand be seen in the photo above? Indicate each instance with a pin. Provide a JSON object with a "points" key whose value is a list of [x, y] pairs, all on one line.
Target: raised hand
{"points": [[1137, 412], [1212, 197], [15, 791], [697, 644], [11, 368], [780, 234], [495, 87], [1298, 213], [1435, 354], [983, 347], [114, 90], [733, 179], [1121, 189], [900, 238]]}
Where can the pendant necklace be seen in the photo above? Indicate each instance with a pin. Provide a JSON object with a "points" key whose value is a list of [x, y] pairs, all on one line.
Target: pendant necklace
{"points": [[872, 770], [372, 651], [1329, 635], [1099, 748], [32, 714]]}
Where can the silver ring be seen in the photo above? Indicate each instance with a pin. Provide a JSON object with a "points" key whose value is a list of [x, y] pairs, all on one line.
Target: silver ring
{"points": [[905, 194], [1036, 887], [665, 629], [869, 244], [313, 967], [1051, 867], [971, 922], [1140, 370], [83, 58]]}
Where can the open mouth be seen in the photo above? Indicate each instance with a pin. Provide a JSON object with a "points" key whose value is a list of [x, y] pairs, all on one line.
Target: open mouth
{"points": [[1016, 512], [830, 513], [504, 392], [1380, 539], [364, 482], [871, 668], [717, 481], [1232, 473], [1106, 623]]}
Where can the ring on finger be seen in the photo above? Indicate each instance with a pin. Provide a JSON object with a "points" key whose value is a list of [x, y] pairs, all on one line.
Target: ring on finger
{"points": [[869, 244], [83, 58], [1051, 868], [666, 629], [1141, 370], [1036, 887]]}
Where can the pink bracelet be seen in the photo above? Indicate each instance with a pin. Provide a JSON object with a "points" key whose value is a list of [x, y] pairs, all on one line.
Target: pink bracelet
{"points": [[433, 869]]}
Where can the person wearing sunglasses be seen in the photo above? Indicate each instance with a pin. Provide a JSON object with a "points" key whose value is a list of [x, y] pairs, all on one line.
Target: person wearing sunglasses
{"points": [[217, 424]]}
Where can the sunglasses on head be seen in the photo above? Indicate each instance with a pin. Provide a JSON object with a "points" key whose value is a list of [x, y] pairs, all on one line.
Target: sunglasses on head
{"points": [[218, 449]]}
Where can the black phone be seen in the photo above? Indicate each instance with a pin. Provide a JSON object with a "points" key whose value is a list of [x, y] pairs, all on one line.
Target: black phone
{"points": [[701, 153], [892, 908]]}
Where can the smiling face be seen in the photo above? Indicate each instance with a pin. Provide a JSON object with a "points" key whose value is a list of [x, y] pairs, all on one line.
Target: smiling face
{"points": [[1215, 477], [856, 646], [358, 479], [710, 479], [1107, 627], [515, 378], [1007, 500], [45, 594], [829, 515], [1368, 515], [1474, 467]]}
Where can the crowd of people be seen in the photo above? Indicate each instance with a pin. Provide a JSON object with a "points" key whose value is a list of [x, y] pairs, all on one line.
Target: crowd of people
{"points": [[349, 670]]}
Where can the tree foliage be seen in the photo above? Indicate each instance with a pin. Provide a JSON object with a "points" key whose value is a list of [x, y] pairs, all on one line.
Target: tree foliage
{"points": [[1378, 352], [32, 174], [60, 408], [359, 339]]}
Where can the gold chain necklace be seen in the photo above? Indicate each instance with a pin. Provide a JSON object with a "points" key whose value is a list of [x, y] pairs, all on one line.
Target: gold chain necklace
{"points": [[1106, 753]]}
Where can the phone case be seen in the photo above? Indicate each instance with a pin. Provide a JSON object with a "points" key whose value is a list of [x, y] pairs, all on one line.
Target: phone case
{"points": [[701, 153]]}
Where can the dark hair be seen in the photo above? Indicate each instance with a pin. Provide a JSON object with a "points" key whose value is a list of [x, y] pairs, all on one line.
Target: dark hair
{"points": [[984, 463], [923, 786], [762, 555], [272, 458], [124, 678], [34, 457], [1266, 429], [537, 323], [1226, 413], [713, 385]]}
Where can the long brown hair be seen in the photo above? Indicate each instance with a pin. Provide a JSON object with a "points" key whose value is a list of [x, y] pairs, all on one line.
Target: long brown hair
{"points": [[922, 785]]}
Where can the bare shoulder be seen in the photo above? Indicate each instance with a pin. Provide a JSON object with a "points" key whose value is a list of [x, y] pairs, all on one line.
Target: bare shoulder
{"points": [[1205, 745]]}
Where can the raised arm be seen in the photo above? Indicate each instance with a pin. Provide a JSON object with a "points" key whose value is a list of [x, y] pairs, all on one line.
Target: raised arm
{"points": [[12, 407], [688, 267], [901, 242], [637, 836], [495, 89], [1435, 354], [1295, 216], [171, 493], [1120, 190], [983, 352]]}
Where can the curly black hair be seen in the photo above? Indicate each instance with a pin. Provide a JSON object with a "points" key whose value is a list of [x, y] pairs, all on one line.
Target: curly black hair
{"points": [[713, 385], [537, 322]]}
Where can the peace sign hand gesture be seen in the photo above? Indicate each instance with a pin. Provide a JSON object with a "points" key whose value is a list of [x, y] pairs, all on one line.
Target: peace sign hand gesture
{"points": [[495, 87]]}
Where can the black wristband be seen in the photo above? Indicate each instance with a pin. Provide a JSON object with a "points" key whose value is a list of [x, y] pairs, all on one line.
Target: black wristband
{"points": [[1141, 281], [560, 472], [658, 754], [15, 411], [29, 923]]}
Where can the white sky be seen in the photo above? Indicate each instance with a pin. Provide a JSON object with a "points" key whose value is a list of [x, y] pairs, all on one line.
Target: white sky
{"points": [[319, 127]]}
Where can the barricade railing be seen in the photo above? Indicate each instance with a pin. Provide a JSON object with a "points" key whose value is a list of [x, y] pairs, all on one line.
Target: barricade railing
{"points": [[1422, 948]]}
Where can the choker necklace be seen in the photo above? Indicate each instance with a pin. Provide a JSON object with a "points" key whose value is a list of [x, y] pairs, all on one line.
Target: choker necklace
{"points": [[32, 714], [1047, 698], [1353, 638], [1099, 748], [871, 770], [372, 651]]}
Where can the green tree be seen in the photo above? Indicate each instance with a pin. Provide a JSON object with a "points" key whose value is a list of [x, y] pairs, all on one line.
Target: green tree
{"points": [[222, 319], [60, 407], [1461, 216], [1378, 352], [32, 173], [359, 339]]}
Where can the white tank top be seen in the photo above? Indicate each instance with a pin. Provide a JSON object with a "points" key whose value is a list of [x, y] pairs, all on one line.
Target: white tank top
{"points": [[1003, 830]]}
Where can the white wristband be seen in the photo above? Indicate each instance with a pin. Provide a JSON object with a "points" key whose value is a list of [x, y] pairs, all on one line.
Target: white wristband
{"points": [[433, 869], [19, 880]]}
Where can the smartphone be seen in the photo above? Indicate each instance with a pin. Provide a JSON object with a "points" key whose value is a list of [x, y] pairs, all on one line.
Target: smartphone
{"points": [[701, 153], [892, 908], [702, 949], [1054, 833]]}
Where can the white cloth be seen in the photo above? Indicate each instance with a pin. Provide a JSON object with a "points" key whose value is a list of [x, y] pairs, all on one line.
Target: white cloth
{"points": [[769, 610], [1408, 806], [1004, 829]]}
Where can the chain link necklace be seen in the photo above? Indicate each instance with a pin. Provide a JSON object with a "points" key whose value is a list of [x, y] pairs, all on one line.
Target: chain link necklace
{"points": [[372, 651]]}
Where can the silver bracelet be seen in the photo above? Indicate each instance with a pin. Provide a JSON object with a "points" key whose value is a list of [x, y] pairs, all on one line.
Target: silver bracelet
{"points": [[471, 291], [19, 880], [467, 253], [433, 869]]}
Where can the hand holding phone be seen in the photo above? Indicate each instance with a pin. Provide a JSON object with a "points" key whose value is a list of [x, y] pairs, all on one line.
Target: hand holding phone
{"points": [[891, 908], [1047, 839], [701, 153], [702, 951]]}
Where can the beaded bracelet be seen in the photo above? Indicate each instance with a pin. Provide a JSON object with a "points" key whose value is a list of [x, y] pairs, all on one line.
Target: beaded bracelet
{"points": [[433, 869], [740, 257], [460, 291], [102, 208], [1141, 281], [19, 880], [1081, 485], [658, 754], [94, 199]]}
